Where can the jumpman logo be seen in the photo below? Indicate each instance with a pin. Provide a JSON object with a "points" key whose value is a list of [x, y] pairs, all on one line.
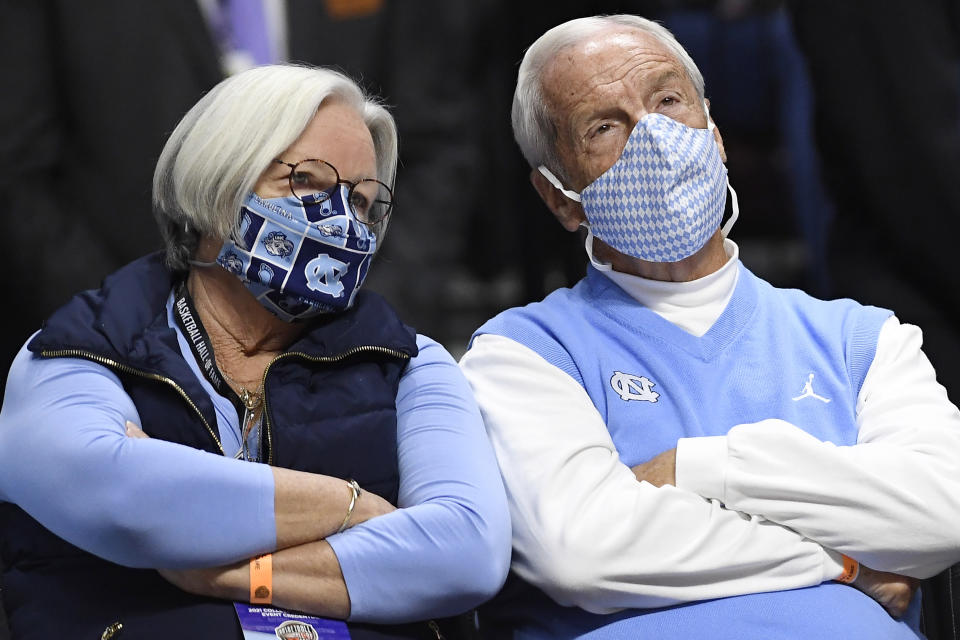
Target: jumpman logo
{"points": [[807, 392]]}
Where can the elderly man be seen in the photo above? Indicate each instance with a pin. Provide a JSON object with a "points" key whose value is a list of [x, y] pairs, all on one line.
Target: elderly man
{"points": [[690, 452]]}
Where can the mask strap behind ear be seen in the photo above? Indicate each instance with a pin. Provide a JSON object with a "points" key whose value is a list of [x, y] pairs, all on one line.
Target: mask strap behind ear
{"points": [[735, 211], [552, 179], [198, 263], [588, 245]]}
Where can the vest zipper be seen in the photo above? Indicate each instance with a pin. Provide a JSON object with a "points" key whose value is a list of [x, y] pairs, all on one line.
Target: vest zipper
{"points": [[324, 359], [436, 629], [113, 364]]}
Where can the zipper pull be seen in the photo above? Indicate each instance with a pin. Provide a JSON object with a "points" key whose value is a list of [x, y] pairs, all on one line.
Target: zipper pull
{"points": [[436, 630], [250, 399]]}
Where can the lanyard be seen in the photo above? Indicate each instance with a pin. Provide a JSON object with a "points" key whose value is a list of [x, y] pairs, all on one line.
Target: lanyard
{"points": [[189, 321]]}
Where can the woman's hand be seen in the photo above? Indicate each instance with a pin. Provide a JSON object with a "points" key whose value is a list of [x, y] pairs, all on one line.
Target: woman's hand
{"points": [[306, 578], [134, 431], [369, 505], [231, 582]]}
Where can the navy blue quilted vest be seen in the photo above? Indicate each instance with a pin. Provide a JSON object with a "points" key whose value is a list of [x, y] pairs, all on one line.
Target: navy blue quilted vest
{"points": [[315, 421]]}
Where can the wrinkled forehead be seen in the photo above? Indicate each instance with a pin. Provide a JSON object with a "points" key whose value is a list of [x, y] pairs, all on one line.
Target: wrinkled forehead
{"points": [[594, 64]]}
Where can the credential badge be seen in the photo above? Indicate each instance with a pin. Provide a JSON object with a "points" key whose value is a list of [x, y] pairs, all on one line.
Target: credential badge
{"points": [[630, 387]]}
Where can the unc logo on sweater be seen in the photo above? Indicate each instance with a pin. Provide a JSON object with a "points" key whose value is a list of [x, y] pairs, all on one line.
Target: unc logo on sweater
{"points": [[633, 387]]}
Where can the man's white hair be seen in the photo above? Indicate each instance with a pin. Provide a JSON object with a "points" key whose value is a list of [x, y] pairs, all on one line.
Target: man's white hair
{"points": [[215, 156], [533, 126]]}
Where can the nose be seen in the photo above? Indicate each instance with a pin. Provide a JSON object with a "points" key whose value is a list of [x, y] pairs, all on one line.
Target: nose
{"points": [[636, 115]]}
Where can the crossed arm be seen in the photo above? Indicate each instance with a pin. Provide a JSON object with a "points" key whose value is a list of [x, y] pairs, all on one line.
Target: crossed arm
{"points": [[66, 459], [645, 545], [893, 591], [307, 574], [899, 483]]}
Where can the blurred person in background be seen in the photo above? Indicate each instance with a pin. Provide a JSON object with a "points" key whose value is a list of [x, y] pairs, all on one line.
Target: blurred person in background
{"points": [[99, 87], [891, 157], [233, 420]]}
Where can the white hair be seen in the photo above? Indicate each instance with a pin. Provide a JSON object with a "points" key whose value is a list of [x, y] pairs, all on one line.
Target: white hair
{"points": [[533, 127], [222, 146]]}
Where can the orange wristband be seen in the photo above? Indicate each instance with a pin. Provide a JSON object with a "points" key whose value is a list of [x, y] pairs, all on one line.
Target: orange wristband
{"points": [[261, 579], [850, 570]]}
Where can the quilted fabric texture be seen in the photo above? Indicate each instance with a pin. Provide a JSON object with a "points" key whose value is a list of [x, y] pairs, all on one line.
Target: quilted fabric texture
{"points": [[664, 198]]}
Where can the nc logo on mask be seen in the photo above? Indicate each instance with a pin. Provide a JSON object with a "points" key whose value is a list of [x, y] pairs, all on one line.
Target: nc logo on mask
{"points": [[323, 274]]}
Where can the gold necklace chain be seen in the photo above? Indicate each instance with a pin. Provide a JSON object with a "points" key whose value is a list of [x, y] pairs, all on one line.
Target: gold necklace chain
{"points": [[251, 399], [252, 415]]}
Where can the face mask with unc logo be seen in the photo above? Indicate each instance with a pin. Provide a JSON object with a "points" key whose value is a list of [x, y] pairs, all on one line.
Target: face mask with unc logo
{"points": [[300, 259], [663, 198]]}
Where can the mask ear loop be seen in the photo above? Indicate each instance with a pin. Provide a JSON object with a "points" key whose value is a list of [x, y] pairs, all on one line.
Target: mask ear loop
{"points": [[734, 204], [573, 195], [710, 124], [198, 263], [735, 213], [552, 179], [588, 245]]}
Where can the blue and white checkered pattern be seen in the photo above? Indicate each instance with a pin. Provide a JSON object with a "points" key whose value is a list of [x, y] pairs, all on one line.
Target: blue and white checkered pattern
{"points": [[664, 197], [300, 259]]}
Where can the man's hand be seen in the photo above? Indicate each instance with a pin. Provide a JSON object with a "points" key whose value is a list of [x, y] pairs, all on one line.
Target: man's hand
{"points": [[891, 590], [658, 471]]}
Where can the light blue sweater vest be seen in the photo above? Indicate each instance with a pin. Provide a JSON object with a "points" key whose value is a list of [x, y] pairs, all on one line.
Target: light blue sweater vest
{"points": [[654, 383]]}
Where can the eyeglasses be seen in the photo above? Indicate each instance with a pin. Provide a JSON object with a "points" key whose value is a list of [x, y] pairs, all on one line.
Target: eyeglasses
{"points": [[310, 181]]}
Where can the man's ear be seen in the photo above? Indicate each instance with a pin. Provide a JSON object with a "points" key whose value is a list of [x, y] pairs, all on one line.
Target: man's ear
{"points": [[717, 136], [568, 212], [719, 139]]}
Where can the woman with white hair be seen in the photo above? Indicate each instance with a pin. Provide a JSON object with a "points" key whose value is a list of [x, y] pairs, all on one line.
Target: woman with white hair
{"points": [[232, 422]]}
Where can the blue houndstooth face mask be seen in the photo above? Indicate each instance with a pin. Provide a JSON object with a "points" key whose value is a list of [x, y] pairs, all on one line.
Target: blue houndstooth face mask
{"points": [[663, 198], [300, 259]]}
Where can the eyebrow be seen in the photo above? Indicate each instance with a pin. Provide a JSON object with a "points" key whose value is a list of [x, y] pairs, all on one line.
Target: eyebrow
{"points": [[665, 77]]}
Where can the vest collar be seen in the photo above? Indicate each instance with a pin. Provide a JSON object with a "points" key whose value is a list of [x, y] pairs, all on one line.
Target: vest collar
{"points": [[623, 309]]}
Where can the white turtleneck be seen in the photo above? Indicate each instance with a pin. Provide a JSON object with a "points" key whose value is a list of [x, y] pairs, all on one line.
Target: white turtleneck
{"points": [[693, 306]]}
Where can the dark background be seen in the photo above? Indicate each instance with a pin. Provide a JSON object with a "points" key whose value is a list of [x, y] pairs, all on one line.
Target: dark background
{"points": [[841, 122]]}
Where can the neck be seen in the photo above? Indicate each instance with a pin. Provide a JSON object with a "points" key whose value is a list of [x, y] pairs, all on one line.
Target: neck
{"points": [[707, 260], [243, 334]]}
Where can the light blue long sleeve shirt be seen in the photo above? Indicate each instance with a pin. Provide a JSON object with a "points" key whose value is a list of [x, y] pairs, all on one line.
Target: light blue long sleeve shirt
{"points": [[66, 460]]}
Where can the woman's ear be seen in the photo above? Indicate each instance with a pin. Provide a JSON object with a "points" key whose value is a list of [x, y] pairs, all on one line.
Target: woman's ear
{"points": [[568, 212]]}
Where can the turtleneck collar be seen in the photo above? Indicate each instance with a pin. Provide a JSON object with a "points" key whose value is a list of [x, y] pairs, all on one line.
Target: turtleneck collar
{"points": [[693, 306]]}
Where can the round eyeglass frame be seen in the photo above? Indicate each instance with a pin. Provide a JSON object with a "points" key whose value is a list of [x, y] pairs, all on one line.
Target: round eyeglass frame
{"points": [[387, 210]]}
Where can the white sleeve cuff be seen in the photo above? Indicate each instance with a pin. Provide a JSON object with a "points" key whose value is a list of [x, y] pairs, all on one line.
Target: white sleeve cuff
{"points": [[701, 466], [832, 564]]}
